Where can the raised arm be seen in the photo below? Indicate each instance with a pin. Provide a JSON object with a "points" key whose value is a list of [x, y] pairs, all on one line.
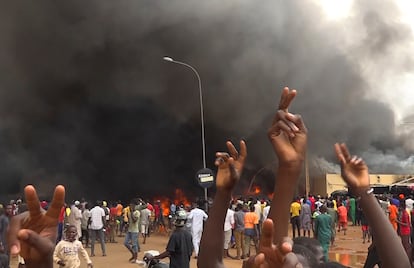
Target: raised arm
{"points": [[354, 171], [288, 136], [230, 166], [32, 234]]}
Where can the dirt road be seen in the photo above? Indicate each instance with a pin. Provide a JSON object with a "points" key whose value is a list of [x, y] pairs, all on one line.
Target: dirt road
{"points": [[348, 250]]}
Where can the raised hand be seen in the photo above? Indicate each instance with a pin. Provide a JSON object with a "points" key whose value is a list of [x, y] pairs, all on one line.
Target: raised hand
{"points": [[272, 256], [32, 234], [230, 165], [289, 143], [353, 169], [288, 133]]}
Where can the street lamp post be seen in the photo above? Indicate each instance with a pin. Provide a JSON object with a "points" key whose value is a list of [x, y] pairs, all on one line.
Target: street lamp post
{"points": [[203, 142]]}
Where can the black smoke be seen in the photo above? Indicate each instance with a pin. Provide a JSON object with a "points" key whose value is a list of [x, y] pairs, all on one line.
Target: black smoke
{"points": [[86, 100]]}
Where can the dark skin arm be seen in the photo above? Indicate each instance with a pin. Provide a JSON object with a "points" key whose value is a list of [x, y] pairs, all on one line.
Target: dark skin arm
{"points": [[354, 171], [230, 166], [288, 136], [163, 255], [272, 256], [32, 234]]}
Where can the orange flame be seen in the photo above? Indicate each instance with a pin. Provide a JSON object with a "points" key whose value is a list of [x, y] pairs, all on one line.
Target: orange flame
{"points": [[179, 198], [256, 190]]}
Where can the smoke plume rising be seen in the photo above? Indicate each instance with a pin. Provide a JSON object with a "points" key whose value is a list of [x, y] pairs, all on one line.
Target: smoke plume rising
{"points": [[87, 101]]}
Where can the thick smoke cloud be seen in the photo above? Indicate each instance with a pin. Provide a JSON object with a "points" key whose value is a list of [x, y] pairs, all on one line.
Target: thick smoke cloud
{"points": [[87, 101]]}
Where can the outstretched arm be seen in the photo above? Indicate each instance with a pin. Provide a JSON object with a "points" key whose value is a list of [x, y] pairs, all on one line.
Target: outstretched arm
{"points": [[288, 136], [32, 234], [230, 166], [354, 171], [272, 256]]}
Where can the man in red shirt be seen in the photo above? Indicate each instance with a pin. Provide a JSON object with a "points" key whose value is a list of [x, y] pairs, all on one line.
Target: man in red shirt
{"points": [[61, 220], [405, 229]]}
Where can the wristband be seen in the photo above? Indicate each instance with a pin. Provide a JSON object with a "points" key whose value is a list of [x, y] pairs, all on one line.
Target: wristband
{"points": [[370, 191]]}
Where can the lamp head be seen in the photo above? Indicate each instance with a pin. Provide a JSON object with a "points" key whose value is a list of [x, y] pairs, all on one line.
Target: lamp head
{"points": [[168, 59]]}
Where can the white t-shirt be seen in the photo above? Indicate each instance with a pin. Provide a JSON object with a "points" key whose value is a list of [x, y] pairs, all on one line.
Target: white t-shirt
{"points": [[96, 218], [229, 221], [197, 216], [409, 204], [266, 212]]}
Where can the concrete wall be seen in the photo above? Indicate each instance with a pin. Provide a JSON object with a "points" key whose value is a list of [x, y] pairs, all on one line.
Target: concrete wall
{"points": [[333, 182]]}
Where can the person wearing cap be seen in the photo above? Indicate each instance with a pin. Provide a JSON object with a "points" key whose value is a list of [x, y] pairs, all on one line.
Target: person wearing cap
{"points": [[180, 246], [75, 217]]}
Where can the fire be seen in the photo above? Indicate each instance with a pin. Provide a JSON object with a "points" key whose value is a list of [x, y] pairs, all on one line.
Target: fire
{"points": [[179, 198], [256, 190]]}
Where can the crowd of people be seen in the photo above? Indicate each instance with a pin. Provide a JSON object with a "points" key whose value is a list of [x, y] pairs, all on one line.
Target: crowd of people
{"points": [[45, 233]]}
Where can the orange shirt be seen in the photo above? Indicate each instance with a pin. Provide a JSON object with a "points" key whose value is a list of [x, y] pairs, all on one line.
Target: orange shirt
{"points": [[250, 219], [119, 209], [342, 214], [393, 211]]}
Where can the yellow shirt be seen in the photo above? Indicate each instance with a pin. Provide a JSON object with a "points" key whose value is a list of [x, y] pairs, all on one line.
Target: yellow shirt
{"points": [[294, 209], [126, 212]]}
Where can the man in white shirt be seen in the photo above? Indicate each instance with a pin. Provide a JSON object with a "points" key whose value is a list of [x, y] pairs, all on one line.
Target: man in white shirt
{"points": [[97, 223], [197, 216], [228, 228]]}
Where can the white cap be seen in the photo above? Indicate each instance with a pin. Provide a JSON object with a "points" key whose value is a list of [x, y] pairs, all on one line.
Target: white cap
{"points": [[77, 203]]}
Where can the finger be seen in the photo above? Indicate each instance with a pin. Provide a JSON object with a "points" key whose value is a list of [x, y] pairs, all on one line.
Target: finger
{"points": [[219, 161], [359, 161], [249, 263], [286, 245], [32, 200], [42, 244], [14, 227], [221, 158], [297, 120], [223, 155], [291, 260], [339, 153], [283, 97], [259, 260], [273, 131], [290, 119], [266, 238], [233, 151], [286, 98], [345, 152], [283, 126], [57, 202], [243, 149], [233, 172]]}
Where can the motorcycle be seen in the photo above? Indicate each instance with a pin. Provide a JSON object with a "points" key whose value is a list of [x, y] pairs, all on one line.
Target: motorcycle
{"points": [[153, 263]]}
